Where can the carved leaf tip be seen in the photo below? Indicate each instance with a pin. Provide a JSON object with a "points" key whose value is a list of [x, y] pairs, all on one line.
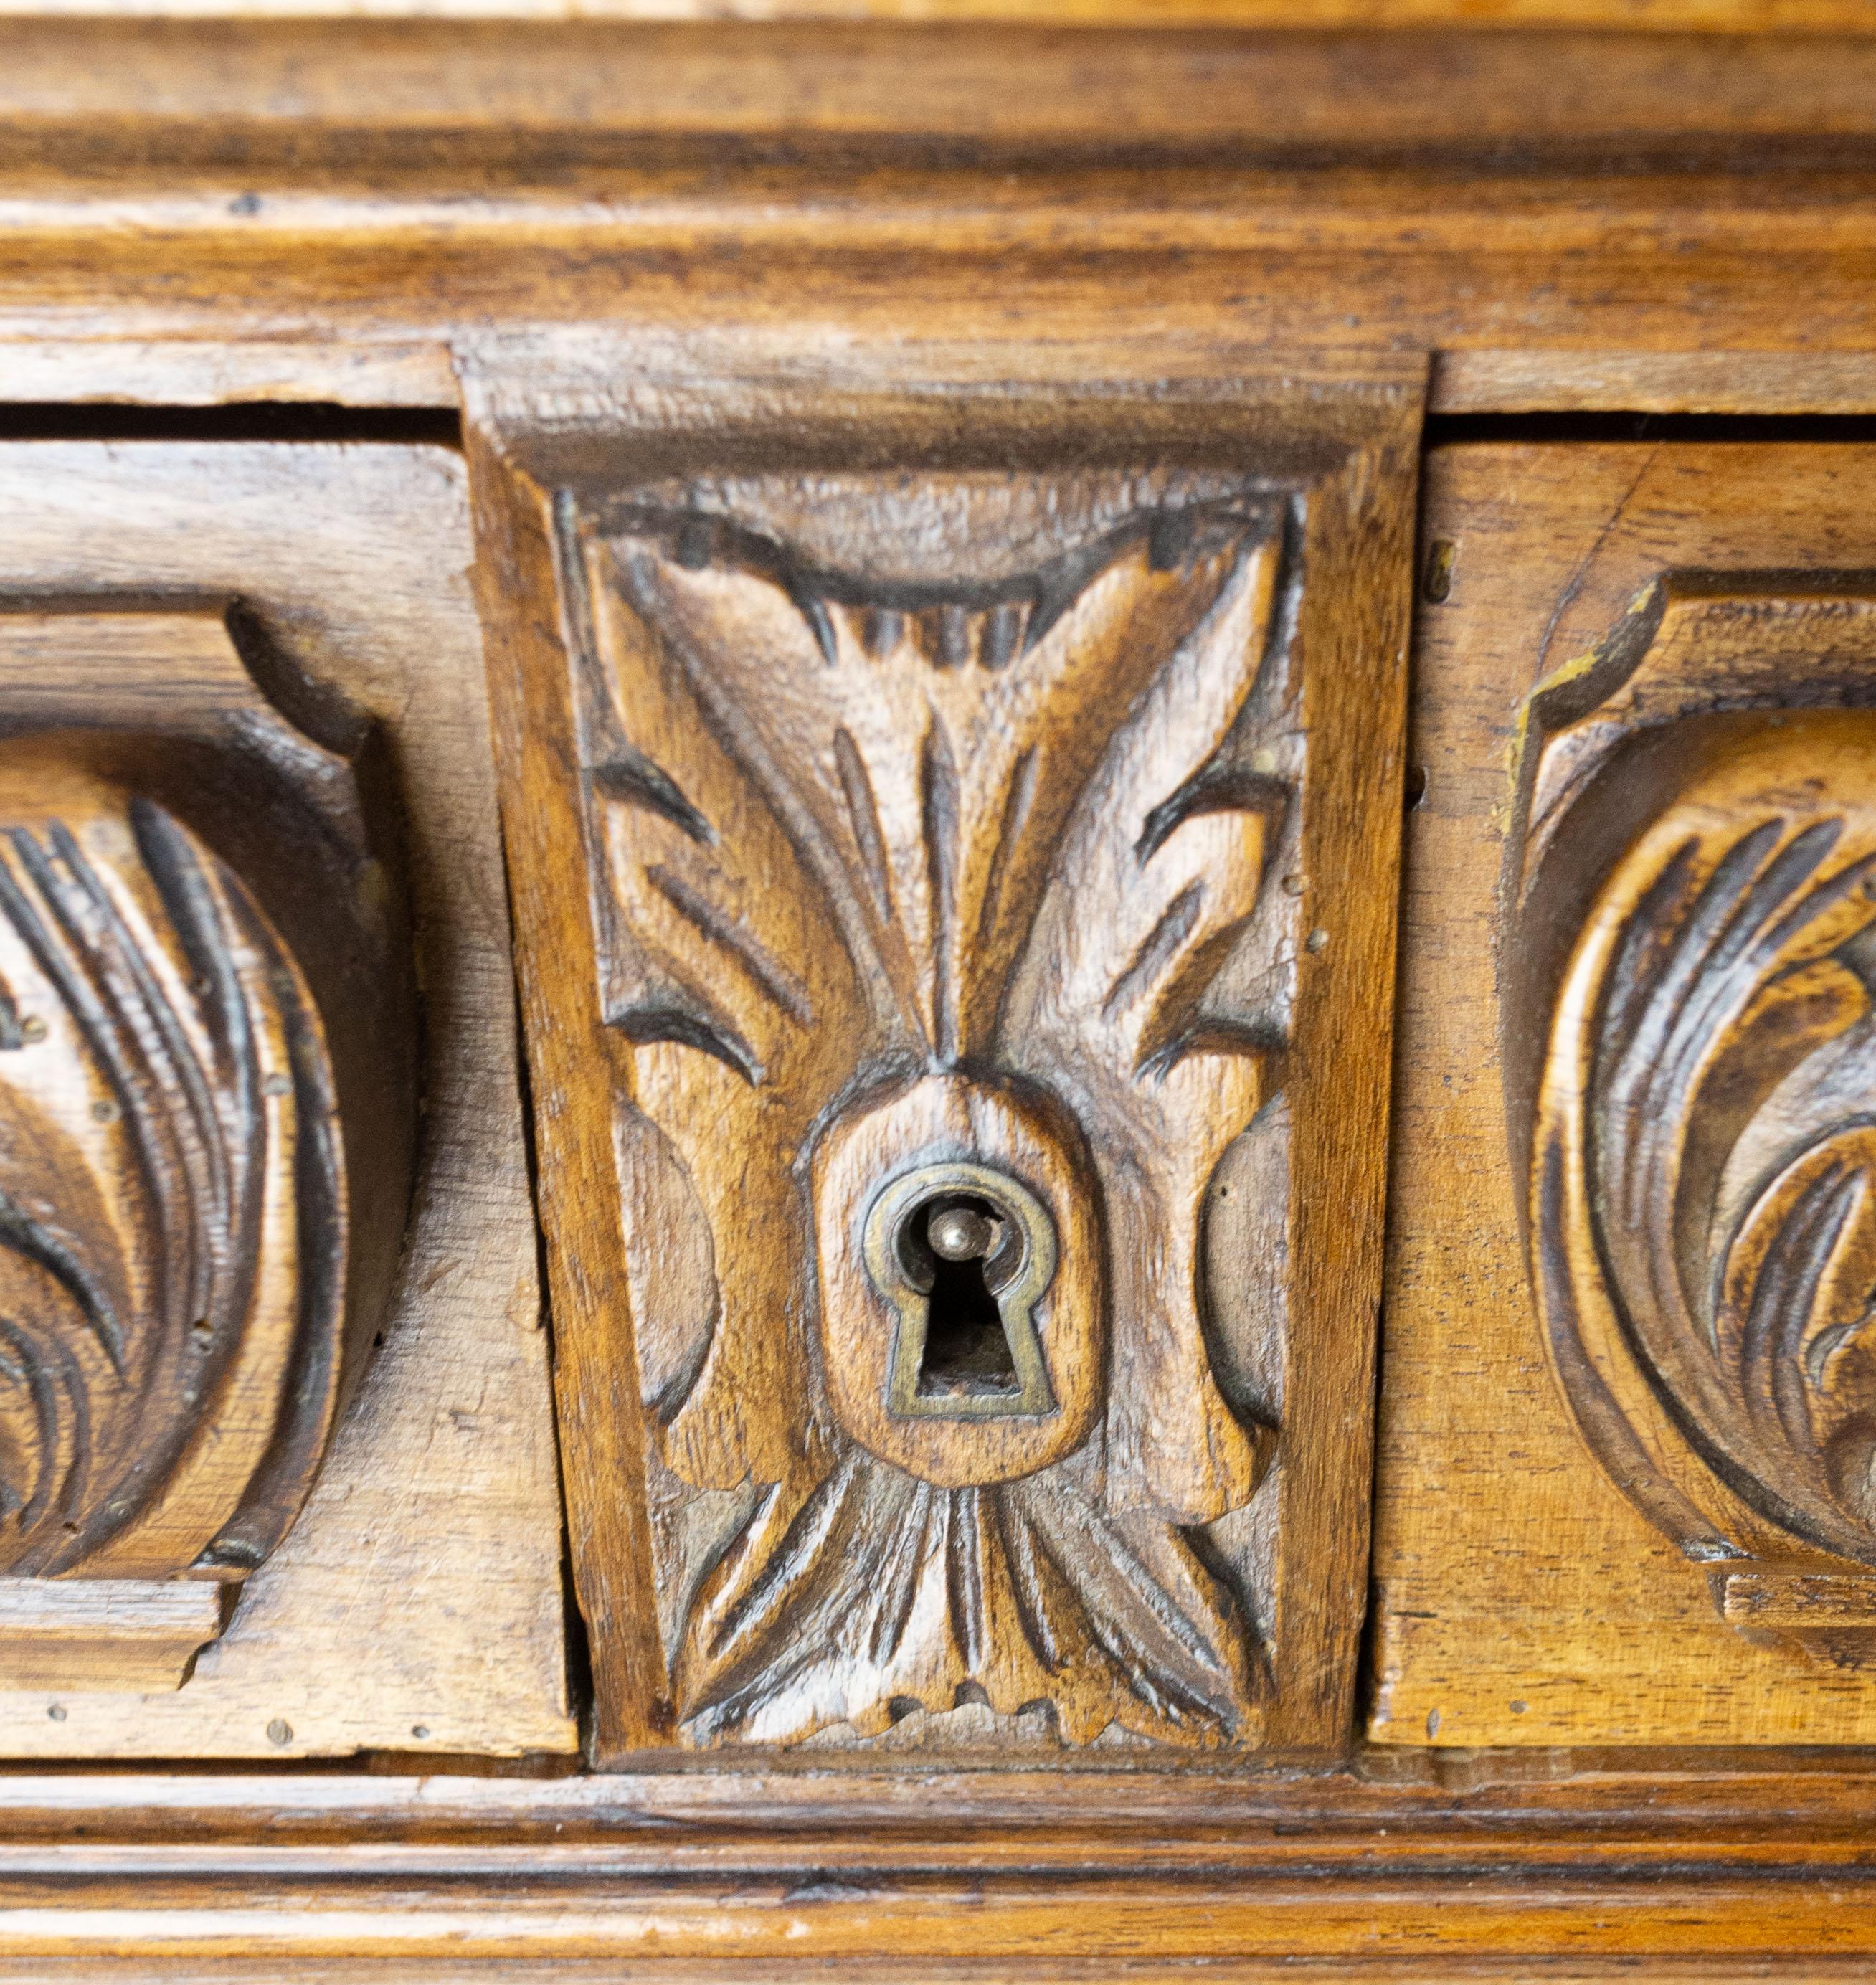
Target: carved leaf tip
{"points": [[1217, 789], [644, 1026], [633, 779]]}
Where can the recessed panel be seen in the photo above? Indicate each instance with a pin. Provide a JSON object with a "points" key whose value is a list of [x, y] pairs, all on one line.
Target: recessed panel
{"points": [[1626, 1399]]}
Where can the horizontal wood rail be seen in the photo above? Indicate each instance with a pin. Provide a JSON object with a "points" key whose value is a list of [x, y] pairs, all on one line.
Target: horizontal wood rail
{"points": [[800, 1867]]}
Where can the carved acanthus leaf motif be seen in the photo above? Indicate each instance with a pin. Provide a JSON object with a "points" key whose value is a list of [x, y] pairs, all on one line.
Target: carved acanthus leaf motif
{"points": [[998, 843], [880, 1589], [1704, 1176], [173, 1227]]}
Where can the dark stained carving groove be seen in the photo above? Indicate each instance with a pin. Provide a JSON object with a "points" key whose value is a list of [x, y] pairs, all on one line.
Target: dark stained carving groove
{"points": [[863, 810], [638, 782], [938, 790], [774, 977]]}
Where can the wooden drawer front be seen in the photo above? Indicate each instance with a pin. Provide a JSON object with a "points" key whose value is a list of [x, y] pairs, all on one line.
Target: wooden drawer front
{"points": [[901, 835], [1625, 1498], [271, 1314]]}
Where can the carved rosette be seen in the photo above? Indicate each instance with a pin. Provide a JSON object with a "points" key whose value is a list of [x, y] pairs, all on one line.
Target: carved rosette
{"points": [[1703, 1144], [914, 892], [173, 1230], [204, 1061]]}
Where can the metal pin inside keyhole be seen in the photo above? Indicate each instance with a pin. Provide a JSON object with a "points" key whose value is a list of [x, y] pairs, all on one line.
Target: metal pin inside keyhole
{"points": [[963, 1252], [959, 1253]]}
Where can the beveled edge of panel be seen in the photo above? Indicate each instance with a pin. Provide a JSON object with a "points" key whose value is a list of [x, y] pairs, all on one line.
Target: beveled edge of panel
{"points": [[1538, 381], [208, 372]]}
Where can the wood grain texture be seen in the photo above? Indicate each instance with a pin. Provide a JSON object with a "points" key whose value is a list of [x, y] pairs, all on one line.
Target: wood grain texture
{"points": [[1693, 1111], [1344, 94], [1679, 382], [416, 1603], [206, 1151], [134, 1636], [1648, 1862], [946, 839], [206, 373], [1738, 17], [1705, 1969], [200, 213], [362, 185], [1603, 604]]}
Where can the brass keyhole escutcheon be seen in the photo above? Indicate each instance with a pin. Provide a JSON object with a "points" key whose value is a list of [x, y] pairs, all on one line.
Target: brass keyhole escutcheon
{"points": [[963, 1252], [932, 1393]]}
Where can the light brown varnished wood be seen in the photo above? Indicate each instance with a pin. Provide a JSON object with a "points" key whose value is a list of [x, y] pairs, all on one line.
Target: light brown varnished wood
{"points": [[131, 1636], [1511, 381], [1640, 662], [206, 1153], [205, 373], [949, 833], [1695, 1101], [506, 86], [818, 1874], [241, 211], [437, 1507], [1703, 16], [364, 187]]}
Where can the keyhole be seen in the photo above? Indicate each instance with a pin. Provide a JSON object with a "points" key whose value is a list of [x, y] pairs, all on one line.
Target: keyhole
{"points": [[966, 1350], [962, 1255]]}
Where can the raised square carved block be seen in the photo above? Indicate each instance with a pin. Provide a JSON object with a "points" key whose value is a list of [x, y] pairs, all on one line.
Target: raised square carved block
{"points": [[953, 835], [204, 1142], [276, 644], [1702, 1156], [1622, 1489]]}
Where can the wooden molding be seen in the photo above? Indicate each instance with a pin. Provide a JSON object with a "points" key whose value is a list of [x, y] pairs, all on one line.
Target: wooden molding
{"points": [[1700, 1159], [178, 1170], [889, 841], [342, 87], [1720, 17], [1662, 382], [1557, 1866], [141, 1634], [1596, 196]]}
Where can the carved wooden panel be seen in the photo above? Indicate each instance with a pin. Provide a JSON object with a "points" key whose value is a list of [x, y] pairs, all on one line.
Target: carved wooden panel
{"points": [[204, 1144], [955, 1001], [326, 741], [1624, 1401], [1703, 1233]]}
